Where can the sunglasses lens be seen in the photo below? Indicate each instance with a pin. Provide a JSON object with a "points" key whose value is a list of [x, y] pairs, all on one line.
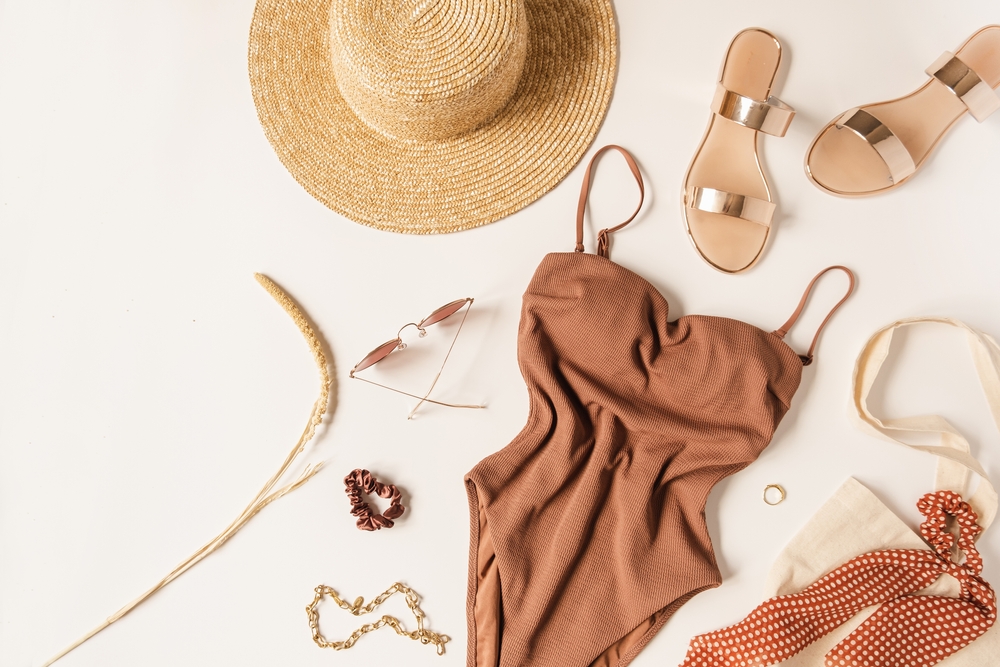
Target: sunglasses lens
{"points": [[377, 355], [444, 312]]}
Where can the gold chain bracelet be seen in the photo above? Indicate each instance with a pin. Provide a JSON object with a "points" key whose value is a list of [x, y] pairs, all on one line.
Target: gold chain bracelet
{"points": [[359, 607]]}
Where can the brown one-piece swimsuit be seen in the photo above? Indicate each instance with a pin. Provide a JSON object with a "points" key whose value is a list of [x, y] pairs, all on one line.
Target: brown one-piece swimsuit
{"points": [[588, 530]]}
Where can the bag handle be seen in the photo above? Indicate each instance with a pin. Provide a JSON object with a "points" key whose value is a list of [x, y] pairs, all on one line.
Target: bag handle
{"points": [[955, 460]]}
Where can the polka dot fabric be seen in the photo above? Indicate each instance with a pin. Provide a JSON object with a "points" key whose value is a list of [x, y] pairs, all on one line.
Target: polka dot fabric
{"points": [[907, 630]]}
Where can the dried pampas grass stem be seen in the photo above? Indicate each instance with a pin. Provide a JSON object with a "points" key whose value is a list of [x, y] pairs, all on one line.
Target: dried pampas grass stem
{"points": [[268, 493]]}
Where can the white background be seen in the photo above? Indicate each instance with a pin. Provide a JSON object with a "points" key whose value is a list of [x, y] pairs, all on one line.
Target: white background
{"points": [[149, 387]]}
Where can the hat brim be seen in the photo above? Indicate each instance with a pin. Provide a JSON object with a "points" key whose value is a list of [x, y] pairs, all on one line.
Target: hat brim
{"points": [[443, 186]]}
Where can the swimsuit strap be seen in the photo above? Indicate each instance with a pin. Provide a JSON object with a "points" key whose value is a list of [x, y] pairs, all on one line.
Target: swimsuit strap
{"points": [[602, 236], [783, 329], [955, 462]]}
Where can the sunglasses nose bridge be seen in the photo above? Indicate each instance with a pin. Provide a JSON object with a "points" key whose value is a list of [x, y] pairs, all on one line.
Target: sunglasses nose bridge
{"points": [[423, 332]]}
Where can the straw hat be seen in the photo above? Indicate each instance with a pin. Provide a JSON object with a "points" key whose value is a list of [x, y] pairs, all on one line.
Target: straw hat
{"points": [[431, 116]]}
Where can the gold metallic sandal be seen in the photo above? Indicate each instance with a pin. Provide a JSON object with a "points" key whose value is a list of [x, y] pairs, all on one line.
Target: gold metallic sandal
{"points": [[727, 203], [877, 147]]}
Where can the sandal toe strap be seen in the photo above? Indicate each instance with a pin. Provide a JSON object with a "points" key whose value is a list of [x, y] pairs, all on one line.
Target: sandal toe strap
{"points": [[892, 151], [770, 117], [726, 203], [965, 82]]}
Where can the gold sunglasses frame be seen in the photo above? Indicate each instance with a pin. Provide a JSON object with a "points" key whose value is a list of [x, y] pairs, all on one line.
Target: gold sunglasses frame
{"points": [[398, 344]]}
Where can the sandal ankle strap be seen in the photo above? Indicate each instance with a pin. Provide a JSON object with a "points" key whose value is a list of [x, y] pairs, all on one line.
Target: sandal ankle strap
{"points": [[770, 117], [965, 82]]}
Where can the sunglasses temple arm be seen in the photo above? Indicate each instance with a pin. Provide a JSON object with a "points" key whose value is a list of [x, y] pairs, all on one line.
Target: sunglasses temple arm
{"points": [[440, 370], [425, 399], [420, 398]]}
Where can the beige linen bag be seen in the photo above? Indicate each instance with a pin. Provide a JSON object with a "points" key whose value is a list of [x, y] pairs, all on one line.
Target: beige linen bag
{"points": [[854, 522]]}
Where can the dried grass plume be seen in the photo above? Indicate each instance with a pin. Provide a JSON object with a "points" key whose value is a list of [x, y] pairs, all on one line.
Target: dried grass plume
{"points": [[269, 493]]}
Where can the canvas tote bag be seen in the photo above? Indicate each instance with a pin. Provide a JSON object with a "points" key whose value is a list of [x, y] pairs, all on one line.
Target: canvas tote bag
{"points": [[854, 522]]}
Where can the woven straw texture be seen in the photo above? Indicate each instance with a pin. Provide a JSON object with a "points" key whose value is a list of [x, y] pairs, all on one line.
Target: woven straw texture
{"points": [[532, 78]]}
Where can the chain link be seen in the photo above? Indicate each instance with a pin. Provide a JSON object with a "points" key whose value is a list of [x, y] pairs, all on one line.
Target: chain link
{"points": [[359, 608]]}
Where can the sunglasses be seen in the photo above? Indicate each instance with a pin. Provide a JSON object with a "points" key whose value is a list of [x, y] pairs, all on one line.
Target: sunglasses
{"points": [[388, 347]]}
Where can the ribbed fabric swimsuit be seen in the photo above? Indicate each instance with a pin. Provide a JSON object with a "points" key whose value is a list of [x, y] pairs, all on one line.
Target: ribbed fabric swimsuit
{"points": [[588, 530]]}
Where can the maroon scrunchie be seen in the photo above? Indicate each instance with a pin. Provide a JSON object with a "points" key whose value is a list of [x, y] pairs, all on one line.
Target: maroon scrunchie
{"points": [[361, 481]]}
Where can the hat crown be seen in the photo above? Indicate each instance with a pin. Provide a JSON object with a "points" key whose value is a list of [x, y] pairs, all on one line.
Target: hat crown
{"points": [[427, 70]]}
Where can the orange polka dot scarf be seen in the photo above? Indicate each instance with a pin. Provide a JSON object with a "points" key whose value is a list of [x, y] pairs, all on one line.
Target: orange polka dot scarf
{"points": [[907, 630]]}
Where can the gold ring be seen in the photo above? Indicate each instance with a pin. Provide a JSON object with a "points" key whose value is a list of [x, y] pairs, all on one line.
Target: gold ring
{"points": [[780, 491]]}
